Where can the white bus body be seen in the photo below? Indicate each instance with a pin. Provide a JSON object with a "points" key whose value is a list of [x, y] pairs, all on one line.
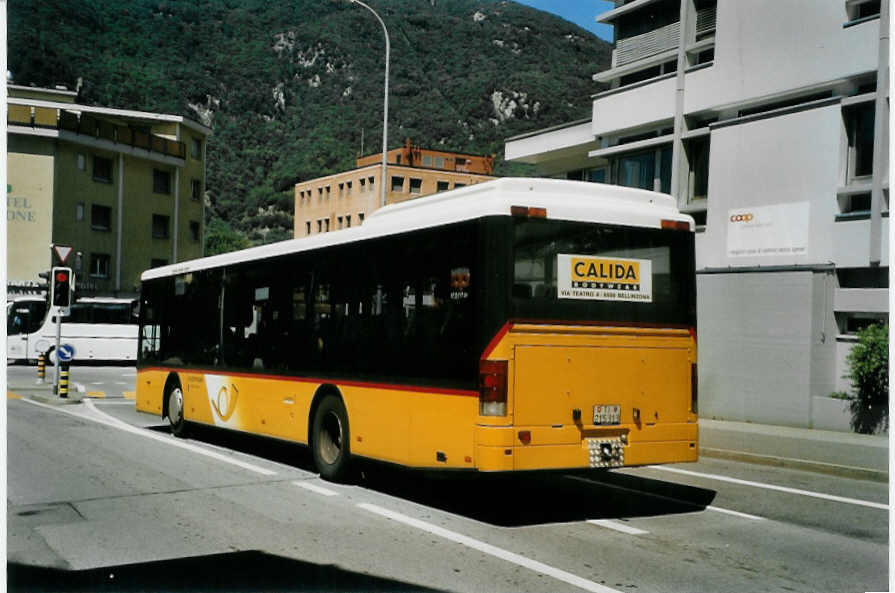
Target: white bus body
{"points": [[99, 329]]}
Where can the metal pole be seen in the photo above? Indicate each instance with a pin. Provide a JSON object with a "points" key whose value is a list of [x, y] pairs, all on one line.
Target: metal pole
{"points": [[384, 103], [58, 340]]}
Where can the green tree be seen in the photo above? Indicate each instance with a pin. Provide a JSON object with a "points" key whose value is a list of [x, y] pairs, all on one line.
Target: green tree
{"points": [[868, 370], [220, 237]]}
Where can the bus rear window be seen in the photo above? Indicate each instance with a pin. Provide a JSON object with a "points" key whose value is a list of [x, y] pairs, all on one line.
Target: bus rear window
{"points": [[603, 273]]}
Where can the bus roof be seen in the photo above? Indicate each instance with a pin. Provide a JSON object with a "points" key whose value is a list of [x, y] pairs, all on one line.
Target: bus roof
{"points": [[564, 200]]}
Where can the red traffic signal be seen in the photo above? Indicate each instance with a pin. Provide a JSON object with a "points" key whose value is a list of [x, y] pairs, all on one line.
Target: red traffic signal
{"points": [[61, 287]]}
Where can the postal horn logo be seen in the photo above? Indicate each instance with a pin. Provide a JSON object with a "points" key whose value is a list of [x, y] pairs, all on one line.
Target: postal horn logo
{"points": [[745, 217], [225, 403]]}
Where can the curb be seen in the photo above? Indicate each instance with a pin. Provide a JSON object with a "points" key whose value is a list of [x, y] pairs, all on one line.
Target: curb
{"points": [[843, 471]]}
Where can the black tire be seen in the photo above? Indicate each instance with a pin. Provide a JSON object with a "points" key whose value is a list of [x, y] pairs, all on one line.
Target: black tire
{"points": [[174, 407], [330, 440]]}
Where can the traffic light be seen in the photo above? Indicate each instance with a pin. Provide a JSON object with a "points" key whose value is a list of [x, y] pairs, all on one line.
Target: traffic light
{"points": [[61, 284]]}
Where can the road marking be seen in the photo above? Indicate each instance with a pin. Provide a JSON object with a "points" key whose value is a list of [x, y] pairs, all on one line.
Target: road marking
{"points": [[855, 501], [617, 526], [169, 440], [130, 394], [96, 394], [316, 488], [696, 506], [11, 395], [735, 513], [480, 546]]}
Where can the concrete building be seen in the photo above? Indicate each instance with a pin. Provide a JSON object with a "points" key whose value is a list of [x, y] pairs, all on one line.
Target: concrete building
{"points": [[122, 188], [345, 199], [768, 121]]}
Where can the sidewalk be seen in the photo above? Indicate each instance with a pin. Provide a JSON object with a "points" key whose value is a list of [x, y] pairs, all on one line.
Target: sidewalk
{"points": [[838, 453], [843, 454]]}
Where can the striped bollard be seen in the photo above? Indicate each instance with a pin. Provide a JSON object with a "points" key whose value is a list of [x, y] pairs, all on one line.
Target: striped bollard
{"points": [[41, 368], [63, 380]]}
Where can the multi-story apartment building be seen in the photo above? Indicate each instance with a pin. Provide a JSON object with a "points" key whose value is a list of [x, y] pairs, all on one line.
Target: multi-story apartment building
{"points": [[123, 189], [768, 121], [344, 199]]}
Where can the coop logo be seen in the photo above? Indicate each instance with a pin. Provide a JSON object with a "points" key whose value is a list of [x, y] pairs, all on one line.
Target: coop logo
{"points": [[747, 217]]}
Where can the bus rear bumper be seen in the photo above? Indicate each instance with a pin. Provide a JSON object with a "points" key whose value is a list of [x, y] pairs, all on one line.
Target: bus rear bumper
{"points": [[501, 451]]}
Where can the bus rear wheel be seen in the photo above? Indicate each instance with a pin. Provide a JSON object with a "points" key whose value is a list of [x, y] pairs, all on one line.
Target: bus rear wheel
{"points": [[330, 439], [174, 398]]}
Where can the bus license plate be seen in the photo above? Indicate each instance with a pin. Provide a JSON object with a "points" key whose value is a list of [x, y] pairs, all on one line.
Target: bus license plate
{"points": [[606, 414]]}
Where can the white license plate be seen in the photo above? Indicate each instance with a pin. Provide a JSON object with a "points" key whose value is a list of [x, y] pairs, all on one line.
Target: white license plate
{"points": [[607, 414]]}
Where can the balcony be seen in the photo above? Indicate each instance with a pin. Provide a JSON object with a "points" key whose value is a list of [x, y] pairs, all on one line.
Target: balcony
{"points": [[87, 125], [646, 44]]}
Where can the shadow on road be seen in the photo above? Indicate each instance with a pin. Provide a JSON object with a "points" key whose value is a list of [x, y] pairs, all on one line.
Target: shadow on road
{"points": [[239, 571], [507, 501]]}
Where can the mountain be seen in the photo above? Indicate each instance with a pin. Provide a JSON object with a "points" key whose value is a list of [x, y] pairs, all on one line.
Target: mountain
{"points": [[293, 88]]}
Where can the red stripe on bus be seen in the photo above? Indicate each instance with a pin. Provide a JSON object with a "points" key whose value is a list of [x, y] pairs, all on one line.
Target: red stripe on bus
{"points": [[496, 339], [395, 387]]}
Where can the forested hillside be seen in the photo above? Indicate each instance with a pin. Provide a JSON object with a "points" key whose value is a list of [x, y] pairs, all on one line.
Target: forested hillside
{"points": [[292, 87]]}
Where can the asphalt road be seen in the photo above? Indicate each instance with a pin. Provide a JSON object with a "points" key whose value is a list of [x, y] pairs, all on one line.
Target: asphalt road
{"points": [[102, 498]]}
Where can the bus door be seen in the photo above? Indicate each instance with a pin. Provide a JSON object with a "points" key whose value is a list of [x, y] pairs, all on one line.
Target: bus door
{"points": [[17, 321]]}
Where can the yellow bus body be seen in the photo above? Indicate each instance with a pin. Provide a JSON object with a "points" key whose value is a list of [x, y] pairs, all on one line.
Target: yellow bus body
{"points": [[553, 370]]}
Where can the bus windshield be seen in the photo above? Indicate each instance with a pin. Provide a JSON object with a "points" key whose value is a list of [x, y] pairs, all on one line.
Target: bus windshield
{"points": [[573, 271]]}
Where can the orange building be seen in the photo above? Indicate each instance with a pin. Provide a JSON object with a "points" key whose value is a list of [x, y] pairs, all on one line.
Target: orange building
{"points": [[342, 200]]}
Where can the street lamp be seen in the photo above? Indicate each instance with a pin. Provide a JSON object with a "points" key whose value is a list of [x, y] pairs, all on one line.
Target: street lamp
{"points": [[384, 102]]}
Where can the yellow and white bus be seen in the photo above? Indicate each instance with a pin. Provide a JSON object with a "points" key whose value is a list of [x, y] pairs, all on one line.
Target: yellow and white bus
{"points": [[519, 324]]}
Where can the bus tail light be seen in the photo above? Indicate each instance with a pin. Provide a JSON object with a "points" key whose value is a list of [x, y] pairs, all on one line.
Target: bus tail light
{"points": [[676, 225], [493, 388], [694, 388]]}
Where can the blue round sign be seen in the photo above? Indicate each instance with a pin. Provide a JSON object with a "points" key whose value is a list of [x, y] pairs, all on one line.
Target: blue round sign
{"points": [[66, 352]]}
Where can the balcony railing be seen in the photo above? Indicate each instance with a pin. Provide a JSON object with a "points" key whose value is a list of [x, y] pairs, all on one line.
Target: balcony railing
{"points": [[705, 21], [87, 125], [647, 44]]}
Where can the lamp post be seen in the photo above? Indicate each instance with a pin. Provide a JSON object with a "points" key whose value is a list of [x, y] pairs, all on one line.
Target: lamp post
{"points": [[384, 103]]}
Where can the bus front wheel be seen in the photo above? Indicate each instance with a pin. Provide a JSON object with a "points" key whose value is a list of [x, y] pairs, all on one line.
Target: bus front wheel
{"points": [[175, 410], [330, 439]]}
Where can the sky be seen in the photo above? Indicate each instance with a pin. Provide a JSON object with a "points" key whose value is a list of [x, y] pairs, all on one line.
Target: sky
{"points": [[581, 12]]}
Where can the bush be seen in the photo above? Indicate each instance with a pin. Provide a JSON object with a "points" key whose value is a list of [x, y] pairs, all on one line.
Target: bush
{"points": [[868, 371]]}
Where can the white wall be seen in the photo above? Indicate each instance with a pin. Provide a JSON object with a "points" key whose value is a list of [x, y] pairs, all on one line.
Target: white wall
{"points": [[767, 47], [639, 106], [786, 159]]}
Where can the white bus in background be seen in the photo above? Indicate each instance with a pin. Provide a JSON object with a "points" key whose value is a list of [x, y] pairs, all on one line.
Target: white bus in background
{"points": [[100, 329]]}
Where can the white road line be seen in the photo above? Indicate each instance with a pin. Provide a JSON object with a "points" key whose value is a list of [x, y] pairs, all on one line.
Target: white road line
{"points": [[855, 501], [735, 513], [475, 544], [617, 526], [169, 440], [316, 488]]}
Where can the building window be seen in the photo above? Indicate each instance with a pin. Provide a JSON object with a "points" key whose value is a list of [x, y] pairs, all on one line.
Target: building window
{"points": [[341, 190], [360, 218], [349, 187], [319, 226], [307, 227], [79, 211], [859, 122], [597, 175], [102, 169], [160, 226], [158, 262], [320, 193], [459, 185], [397, 183], [100, 217], [854, 203], [326, 224], [348, 220], [100, 265], [370, 182], [416, 186], [439, 162], [328, 192], [82, 162], [649, 170], [363, 185], [427, 160], [161, 181], [196, 149], [697, 151], [195, 189], [195, 230], [441, 186], [339, 222]]}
